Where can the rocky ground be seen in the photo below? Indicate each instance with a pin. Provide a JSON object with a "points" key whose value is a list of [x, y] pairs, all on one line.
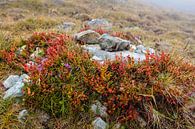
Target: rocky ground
{"points": [[145, 31]]}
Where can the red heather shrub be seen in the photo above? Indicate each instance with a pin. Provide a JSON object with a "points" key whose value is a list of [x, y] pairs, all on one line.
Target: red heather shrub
{"points": [[65, 80]]}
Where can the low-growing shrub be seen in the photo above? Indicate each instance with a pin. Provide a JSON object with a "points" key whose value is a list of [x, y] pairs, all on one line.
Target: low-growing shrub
{"points": [[65, 80]]}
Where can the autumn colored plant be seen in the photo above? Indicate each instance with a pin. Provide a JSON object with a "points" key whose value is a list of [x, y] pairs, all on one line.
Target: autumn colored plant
{"points": [[64, 79]]}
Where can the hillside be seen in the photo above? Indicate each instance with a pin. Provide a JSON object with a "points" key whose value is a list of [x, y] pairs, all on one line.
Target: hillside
{"points": [[67, 51]]}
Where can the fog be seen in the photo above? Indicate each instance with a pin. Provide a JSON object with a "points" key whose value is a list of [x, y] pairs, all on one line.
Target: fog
{"points": [[179, 5]]}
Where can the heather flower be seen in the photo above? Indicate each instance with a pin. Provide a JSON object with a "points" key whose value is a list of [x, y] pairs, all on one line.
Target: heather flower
{"points": [[40, 67], [67, 66], [44, 60]]}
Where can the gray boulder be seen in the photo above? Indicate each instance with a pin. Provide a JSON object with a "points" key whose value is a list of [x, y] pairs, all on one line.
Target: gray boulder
{"points": [[67, 26], [111, 44], [88, 37], [22, 115], [99, 109], [98, 23], [82, 17], [98, 123]]}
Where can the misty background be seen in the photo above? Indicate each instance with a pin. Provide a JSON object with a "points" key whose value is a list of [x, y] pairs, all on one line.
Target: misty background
{"points": [[187, 6]]}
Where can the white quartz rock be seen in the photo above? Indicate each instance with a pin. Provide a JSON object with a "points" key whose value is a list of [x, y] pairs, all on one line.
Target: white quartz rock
{"points": [[14, 91], [98, 123], [11, 81]]}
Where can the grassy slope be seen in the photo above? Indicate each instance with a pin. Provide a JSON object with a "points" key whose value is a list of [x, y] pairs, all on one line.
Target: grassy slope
{"points": [[20, 18]]}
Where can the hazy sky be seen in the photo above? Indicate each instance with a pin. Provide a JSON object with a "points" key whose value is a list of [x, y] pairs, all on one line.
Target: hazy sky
{"points": [[181, 5]]}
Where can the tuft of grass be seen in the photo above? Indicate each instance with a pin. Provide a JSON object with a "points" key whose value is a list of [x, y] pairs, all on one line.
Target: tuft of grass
{"points": [[5, 40], [8, 111], [33, 24]]}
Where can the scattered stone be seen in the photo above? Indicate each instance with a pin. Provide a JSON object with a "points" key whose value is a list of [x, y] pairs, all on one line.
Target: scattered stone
{"points": [[88, 37], [158, 31], [82, 17], [58, 2], [14, 91], [98, 123], [11, 81], [99, 109], [132, 28], [120, 1], [98, 23], [111, 44], [22, 115], [67, 26], [3, 3]]}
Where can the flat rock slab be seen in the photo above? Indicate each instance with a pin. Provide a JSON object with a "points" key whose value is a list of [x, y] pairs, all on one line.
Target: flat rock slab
{"points": [[67, 26], [102, 55]]}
